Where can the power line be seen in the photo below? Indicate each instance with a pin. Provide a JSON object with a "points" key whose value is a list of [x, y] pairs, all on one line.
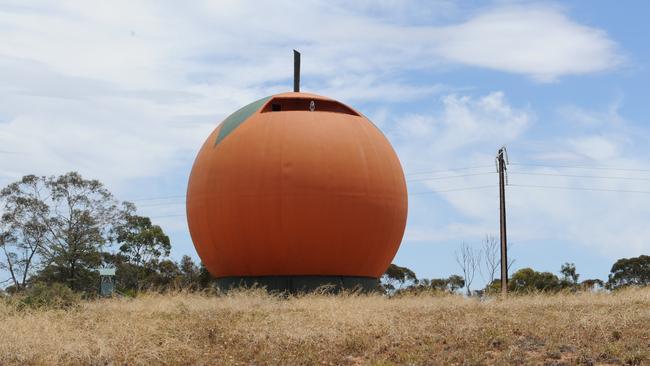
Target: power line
{"points": [[410, 194], [452, 190], [448, 177], [578, 188], [474, 174], [466, 175], [449, 170], [154, 198], [163, 216], [484, 187], [414, 180], [579, 176], [583, 167], [162, 204], [409, 180]]}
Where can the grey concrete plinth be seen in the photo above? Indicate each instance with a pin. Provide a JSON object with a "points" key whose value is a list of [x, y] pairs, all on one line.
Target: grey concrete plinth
{"points": [[300, 284]]}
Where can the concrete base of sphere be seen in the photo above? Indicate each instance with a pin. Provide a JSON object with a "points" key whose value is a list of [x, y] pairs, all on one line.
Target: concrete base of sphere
{"points": [[301, 284]]}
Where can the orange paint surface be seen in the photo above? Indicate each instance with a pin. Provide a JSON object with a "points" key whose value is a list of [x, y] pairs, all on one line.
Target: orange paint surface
{"points": [[297, 192]]}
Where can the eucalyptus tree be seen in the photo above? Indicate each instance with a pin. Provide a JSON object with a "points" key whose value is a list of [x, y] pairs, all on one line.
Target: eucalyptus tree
{"points": [[569, 275], [141, 243], [57, 226], [396, 275], [633, 271], [22, 229]]}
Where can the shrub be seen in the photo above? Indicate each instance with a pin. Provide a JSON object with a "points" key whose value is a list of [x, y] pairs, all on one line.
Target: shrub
{"points": [[55, 295]]}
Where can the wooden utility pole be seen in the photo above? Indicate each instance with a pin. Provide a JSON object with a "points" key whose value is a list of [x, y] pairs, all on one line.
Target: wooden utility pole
{"points": [[502, 160]]}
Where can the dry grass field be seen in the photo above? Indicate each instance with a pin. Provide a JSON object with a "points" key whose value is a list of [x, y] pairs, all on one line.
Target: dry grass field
{"points": [[253, 328]]}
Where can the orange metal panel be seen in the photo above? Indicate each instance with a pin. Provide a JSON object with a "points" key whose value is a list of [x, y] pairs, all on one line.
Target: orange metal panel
{"points": [[297, 193]]}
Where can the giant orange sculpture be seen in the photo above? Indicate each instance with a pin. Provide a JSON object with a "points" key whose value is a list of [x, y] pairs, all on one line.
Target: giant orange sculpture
{"points": [[297, 190]]}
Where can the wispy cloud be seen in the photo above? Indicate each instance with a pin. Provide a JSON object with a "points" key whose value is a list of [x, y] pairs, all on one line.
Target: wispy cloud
{"points": [[126, 91], [539, 41], [464, 131], [88, 86]]}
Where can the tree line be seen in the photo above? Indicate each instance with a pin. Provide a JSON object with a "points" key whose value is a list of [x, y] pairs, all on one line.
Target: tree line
{"points": [[486, 262], [61, 229]]}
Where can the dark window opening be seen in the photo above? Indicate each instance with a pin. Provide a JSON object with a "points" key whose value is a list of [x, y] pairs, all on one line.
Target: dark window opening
{"points": [[306, 104]]}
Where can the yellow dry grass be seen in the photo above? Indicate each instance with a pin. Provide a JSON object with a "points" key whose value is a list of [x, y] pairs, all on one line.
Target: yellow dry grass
{"points": [[254, 328]]}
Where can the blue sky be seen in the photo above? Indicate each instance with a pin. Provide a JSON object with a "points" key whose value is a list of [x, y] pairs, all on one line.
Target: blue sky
{"points": [[126, 93]]}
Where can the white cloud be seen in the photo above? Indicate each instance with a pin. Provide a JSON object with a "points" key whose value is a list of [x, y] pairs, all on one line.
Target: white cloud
{"points": [[127, 91], [594, 147], [465, 131], [246, 44], [594, 118], [538, 41], [109, 90]]}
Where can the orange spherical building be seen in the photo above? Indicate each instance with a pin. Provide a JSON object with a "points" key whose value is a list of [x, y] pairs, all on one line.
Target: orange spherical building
{"points": [[294, 191]]}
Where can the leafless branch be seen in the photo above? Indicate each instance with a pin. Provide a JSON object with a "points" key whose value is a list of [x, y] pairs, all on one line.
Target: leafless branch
{"points": [[469, 261]]}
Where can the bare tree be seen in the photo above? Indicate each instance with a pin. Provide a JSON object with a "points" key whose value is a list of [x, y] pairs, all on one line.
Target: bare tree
{"points": [[491, 250], [469, 261], [491, 257], [510, 263]]}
